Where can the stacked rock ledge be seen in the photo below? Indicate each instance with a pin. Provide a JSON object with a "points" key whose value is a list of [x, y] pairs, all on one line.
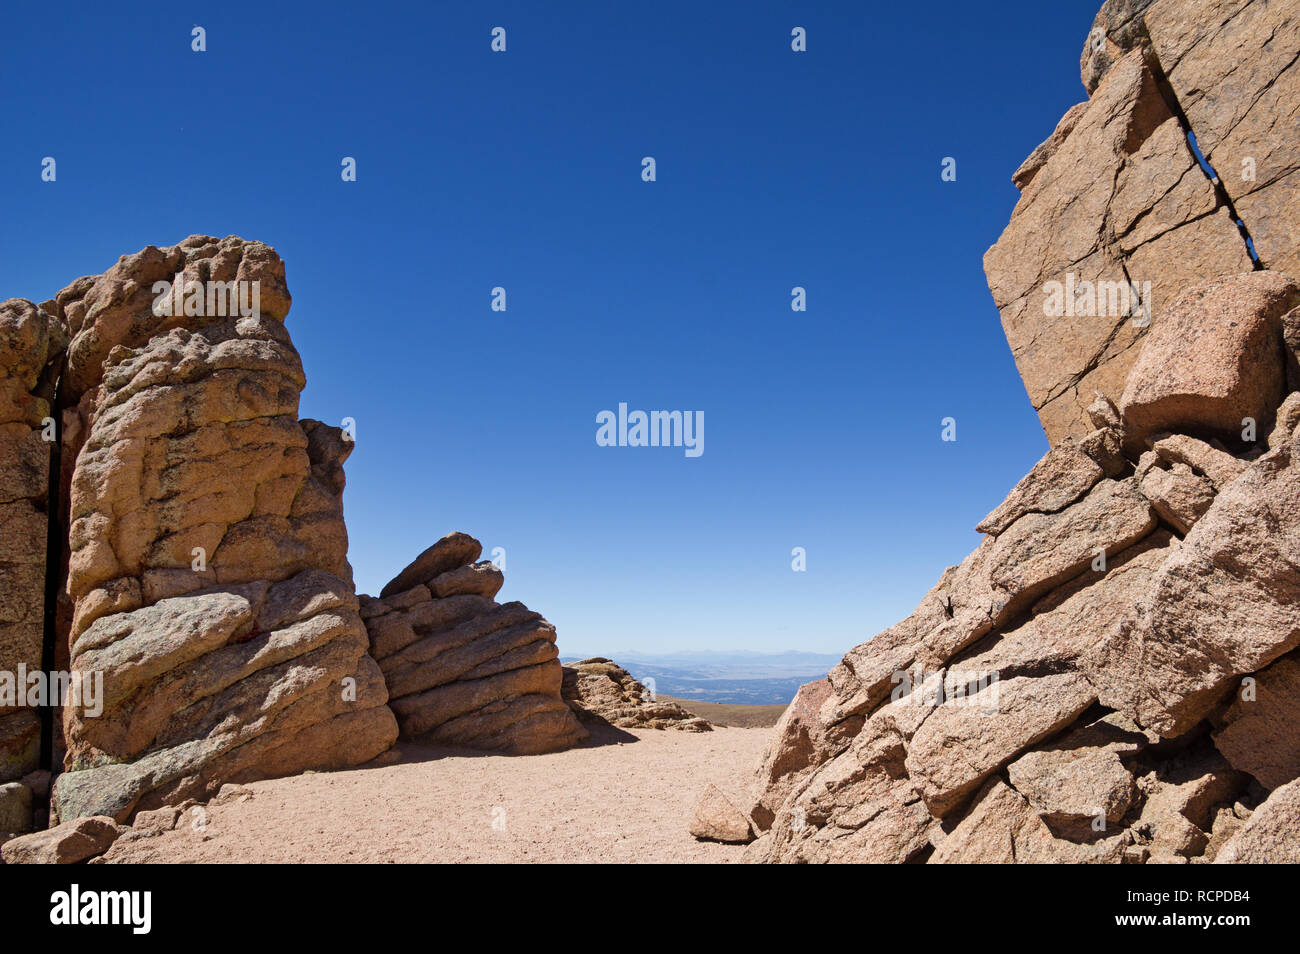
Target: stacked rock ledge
{"points": [[461, 668]]}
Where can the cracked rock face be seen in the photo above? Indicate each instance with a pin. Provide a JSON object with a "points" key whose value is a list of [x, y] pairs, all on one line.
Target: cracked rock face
{"points": [[1120, 202], [1234, 66], [1116, 197], [31, 345], [461, 668], [1111, 676], [207, 556]]}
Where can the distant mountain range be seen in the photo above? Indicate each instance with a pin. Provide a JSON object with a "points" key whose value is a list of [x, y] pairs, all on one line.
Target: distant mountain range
{"points": [[733, 678]]}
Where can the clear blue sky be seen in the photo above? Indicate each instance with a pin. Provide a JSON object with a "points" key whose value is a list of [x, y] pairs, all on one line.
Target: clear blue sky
{"points": [[523, 170]]}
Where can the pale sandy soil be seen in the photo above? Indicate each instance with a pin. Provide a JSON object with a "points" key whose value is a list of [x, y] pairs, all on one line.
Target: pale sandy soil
{"points": [[627, 802]]}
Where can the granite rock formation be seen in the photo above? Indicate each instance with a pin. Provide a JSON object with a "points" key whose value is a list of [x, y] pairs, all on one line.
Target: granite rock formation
{"points": [[1098, 682], [1116, 199], [1111, 676], [206, 562], [601, 692], [461, 668]]}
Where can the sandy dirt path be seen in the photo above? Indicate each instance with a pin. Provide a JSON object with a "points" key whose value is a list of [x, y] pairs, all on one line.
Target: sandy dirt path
{"points": [[611, 802]]}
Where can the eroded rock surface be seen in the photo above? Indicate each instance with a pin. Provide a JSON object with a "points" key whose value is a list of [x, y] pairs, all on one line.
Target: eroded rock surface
{"points": [[602, 692], [718, 819], [1213, 361], [1115, 198], [462, 669], [207, 556], [1272, 833], [1111, 675]]}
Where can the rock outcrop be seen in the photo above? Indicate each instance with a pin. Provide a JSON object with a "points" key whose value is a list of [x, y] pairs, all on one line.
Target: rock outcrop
{"points": [[1112, 675], [601, 692], [1116, 199], [1074, 690], [207, 557], [31, 346], [462, 669]]}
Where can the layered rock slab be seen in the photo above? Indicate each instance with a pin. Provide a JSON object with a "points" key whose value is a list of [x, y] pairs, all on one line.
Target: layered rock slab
{"points": [[462, 669], [983, 729], [207, 555], [601, 692]]}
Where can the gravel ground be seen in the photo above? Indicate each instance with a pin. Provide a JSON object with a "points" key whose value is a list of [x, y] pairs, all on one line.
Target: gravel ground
{"points": [[628, 801]]}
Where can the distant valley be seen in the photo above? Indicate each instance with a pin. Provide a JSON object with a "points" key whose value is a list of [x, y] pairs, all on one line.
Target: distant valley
{"points": [[729, 678]]}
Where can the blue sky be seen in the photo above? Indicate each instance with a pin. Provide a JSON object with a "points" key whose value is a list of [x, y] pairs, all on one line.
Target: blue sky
{"points": [[522, 170]]}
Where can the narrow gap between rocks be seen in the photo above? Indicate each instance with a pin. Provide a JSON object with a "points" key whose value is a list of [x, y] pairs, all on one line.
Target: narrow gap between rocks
{"points": [[1223, 197], [1175, 107], [53, 559]]}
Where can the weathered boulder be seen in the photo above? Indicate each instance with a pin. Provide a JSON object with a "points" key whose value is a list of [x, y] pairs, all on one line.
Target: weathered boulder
{"points": [[1136, 209], [1214, 464], [1271, 836], [68, 844], [1117, 28], [1180, 799], [1260, 731], [1003, 827], [718, 819], [1180, 496], [960, 746], [207, 556], [31, 346], [1212, 359], [462, 669], [859, 806], [454, 551], [1067, 786], [602, 692]]}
